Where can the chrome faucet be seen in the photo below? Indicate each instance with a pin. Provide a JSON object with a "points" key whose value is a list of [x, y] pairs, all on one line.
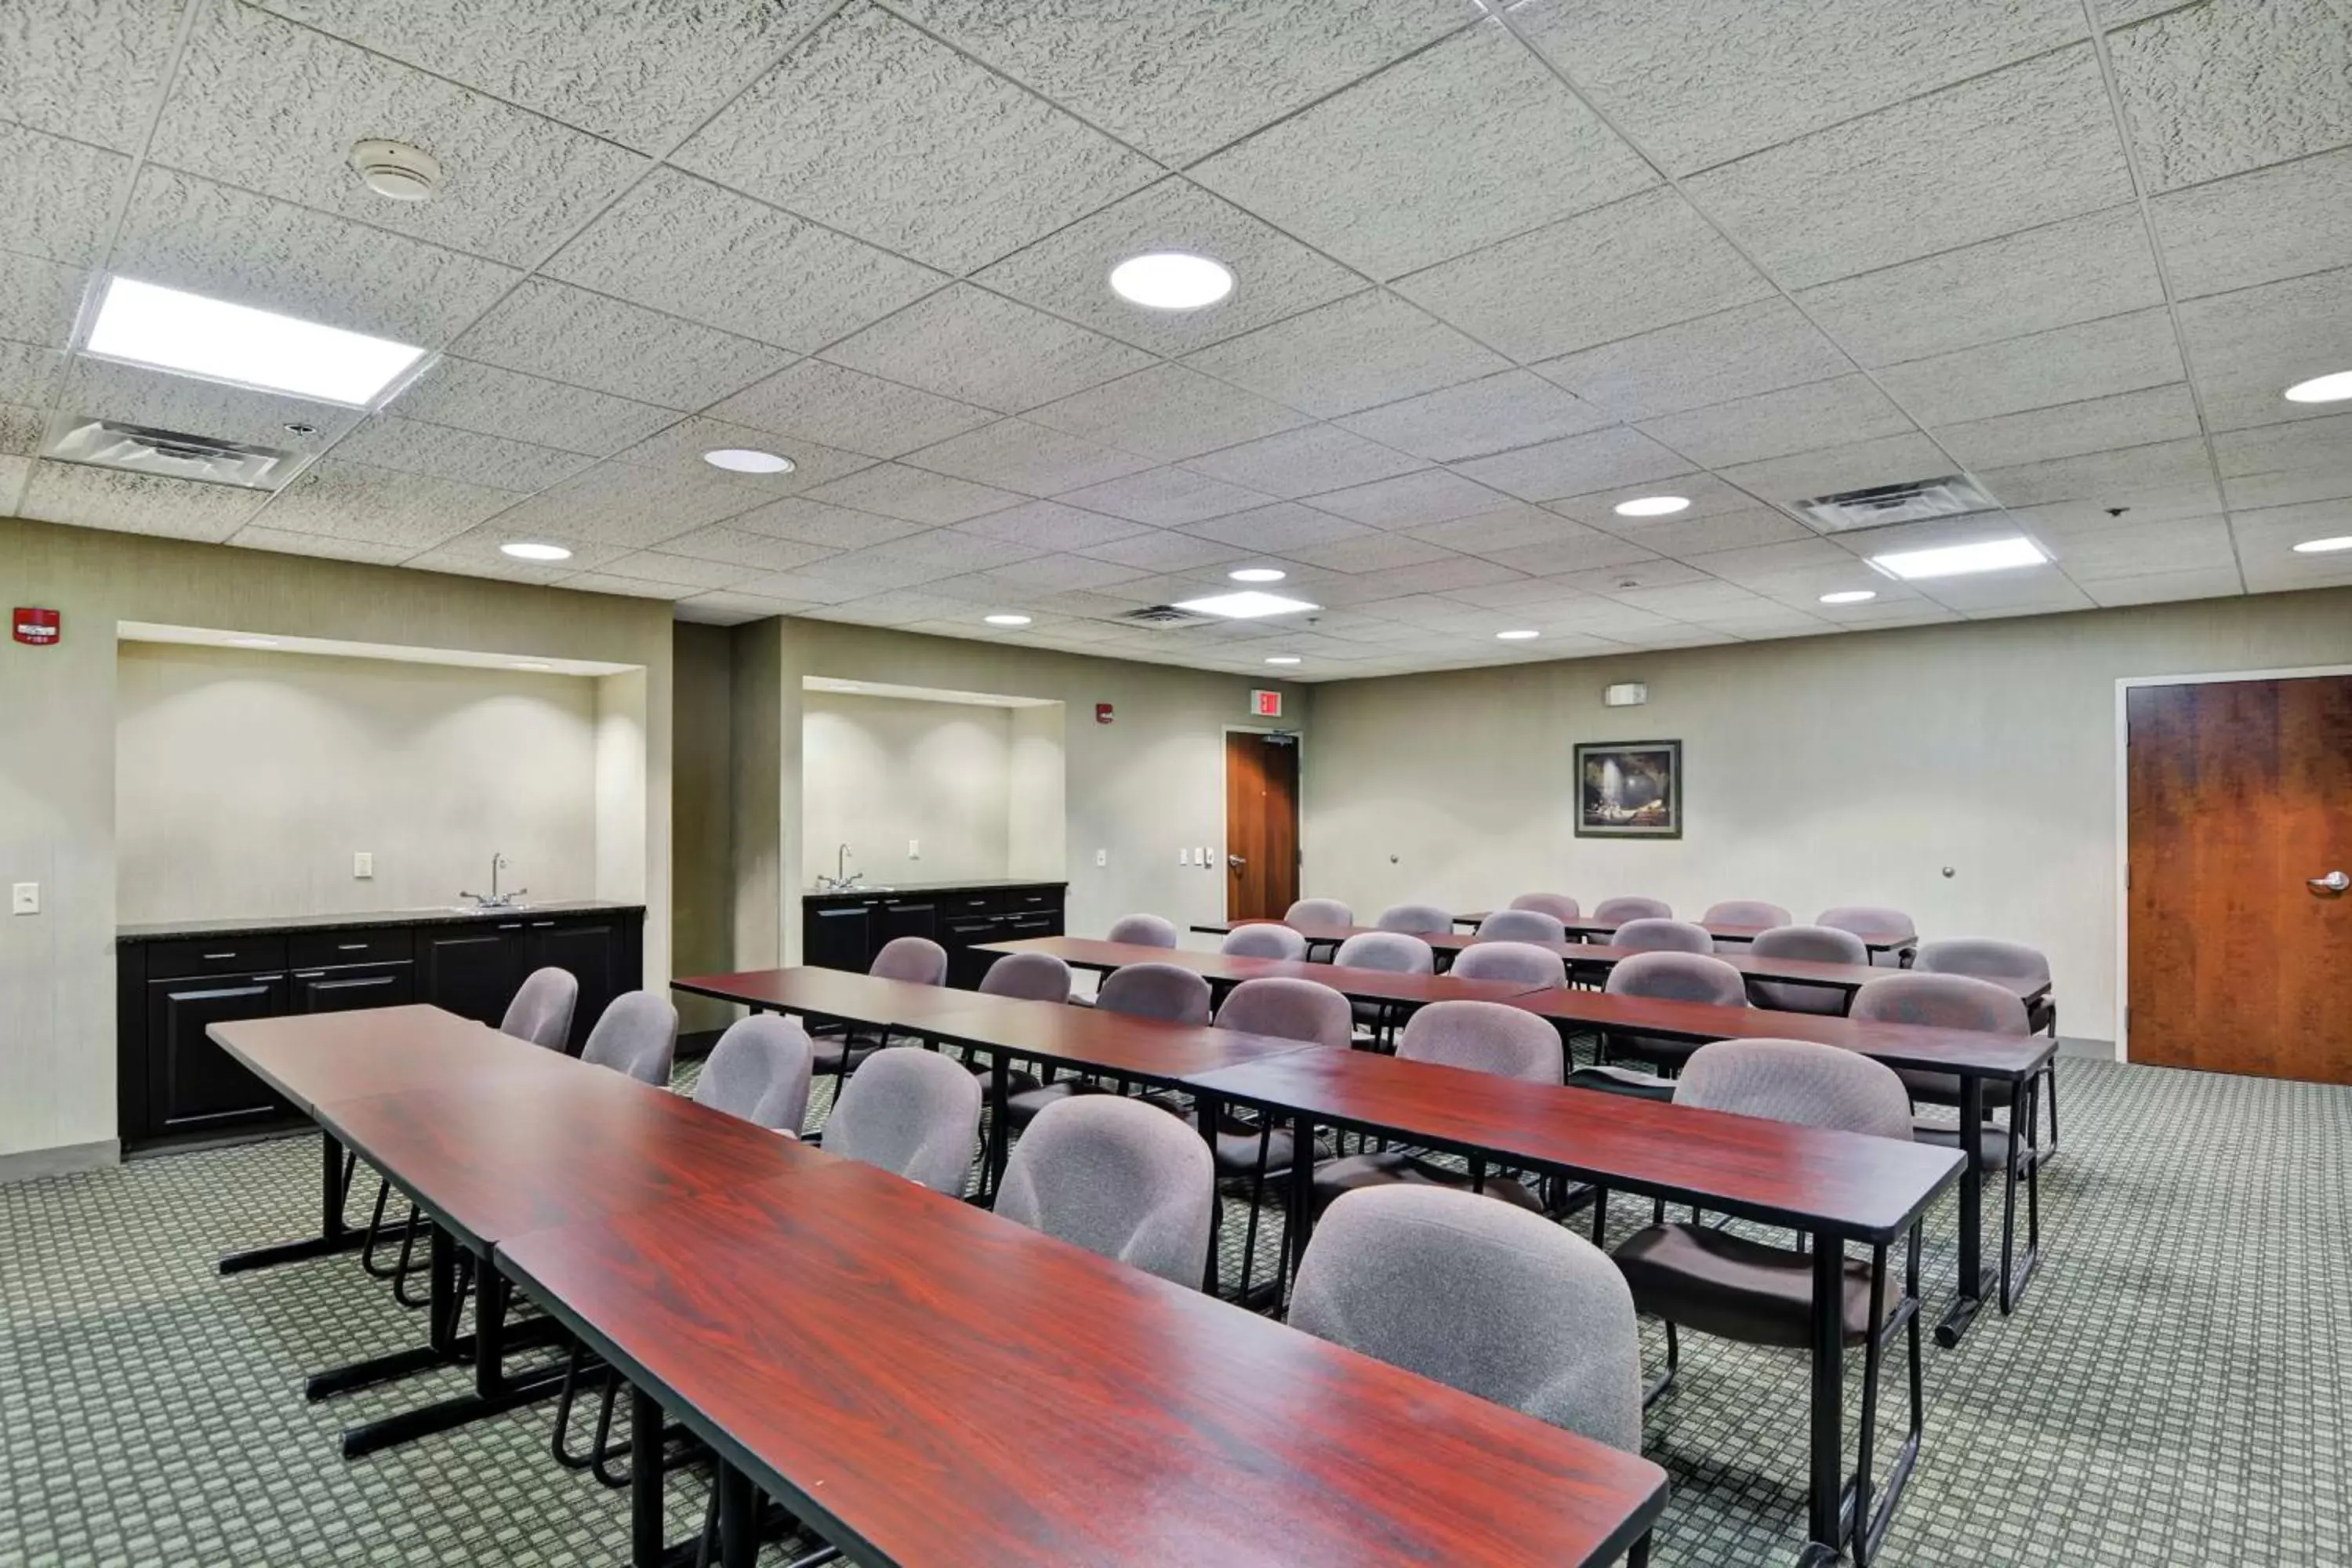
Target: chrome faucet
{"points": [[842, 880], [494, 900]]}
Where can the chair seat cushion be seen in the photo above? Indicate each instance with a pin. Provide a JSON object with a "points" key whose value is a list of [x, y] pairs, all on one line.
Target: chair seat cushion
{"points": [[1735, 1288], [1944, 1087], [1334, 1179], [1623, 1080], [1993, 1148], [1021, 1108], [1237, 1146]]}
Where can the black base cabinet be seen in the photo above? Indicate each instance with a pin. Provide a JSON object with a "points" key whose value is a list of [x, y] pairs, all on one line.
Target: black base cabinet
{"points": [[844, 931], [175, 1086]]}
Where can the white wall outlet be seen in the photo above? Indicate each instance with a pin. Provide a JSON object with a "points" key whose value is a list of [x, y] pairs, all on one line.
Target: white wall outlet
{"points": [[362, 863], [1183, 855], [26, 900], [1102, 856], [914, 848]]}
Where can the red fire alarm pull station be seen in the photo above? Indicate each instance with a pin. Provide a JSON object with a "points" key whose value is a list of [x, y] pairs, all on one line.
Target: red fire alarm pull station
{"points": [[1102, 714], [1266, 704], [39, 628]]}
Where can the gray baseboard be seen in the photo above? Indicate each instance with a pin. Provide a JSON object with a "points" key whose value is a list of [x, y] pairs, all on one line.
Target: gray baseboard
{"points": [[65, 1161], [2103, 1050]]}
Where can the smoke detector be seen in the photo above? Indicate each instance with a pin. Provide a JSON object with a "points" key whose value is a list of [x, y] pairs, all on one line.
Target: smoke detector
{"points": [[396, 170]]}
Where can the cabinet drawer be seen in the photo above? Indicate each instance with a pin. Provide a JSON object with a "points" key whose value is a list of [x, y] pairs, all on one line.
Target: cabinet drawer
{"points": [[358, 944], [179, 960], [967, 905], [1033, 901]]}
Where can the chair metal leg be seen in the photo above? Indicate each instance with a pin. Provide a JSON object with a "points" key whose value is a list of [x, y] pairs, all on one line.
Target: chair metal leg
{"points": [[1665, 1380]]}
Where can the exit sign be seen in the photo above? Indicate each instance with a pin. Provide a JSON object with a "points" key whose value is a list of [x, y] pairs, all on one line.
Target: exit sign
{"points": [[1266, 704]]}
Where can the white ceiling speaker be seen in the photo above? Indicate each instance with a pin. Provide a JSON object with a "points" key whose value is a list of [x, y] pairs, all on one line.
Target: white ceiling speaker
{"points": [[396, 170]]}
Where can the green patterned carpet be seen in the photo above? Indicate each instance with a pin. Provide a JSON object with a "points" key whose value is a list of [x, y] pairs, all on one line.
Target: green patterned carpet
{"points": [[2171, 1391]]}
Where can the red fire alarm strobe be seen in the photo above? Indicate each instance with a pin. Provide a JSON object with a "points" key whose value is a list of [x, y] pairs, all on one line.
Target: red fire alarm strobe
{"points": [[1102, 714], [39, 628]]}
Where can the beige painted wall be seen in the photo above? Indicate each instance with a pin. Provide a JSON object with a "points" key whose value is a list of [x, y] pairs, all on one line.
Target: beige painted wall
{"points": [[879, 773], [57, 765], [1037, 835], [1833, 770], [245, 781], [702, 820]]}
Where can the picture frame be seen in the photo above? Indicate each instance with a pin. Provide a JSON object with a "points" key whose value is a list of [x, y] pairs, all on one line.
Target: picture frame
{"points": [[1629, 789]]}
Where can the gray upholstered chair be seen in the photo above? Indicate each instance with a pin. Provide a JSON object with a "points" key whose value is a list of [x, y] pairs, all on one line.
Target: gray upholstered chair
{"points": [[910, 1112], [1143, 930], [541, 1009], [1027, 977], [2024, 969], [1319, 912], [759, 1071], [1811, 944], [1520, 961], [1396, 953], [637, 1035], [1286, 1009], [1745, 912], [1116, 1177], [1416, 920], [1872, 918], [1738, 1287], [1168, 993], [1617, 911], [1264, 940], [913, 958], [1559, 906], [1651, 934], [1670, 977], [1482, 1298], [1522, 925]]}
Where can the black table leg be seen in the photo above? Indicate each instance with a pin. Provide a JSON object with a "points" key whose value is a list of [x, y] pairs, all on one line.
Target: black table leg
{"points": [[1299, 1218], [1209, 1111], [648, 1543], [739, 1518], [494, 1392], [333, 1235], [1000, 1116], [1975, 1283], [1825, 1471]]}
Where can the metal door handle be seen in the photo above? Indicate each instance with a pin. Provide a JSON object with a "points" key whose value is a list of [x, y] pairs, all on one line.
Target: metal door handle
{"points": [[1236, 862], [2332, 884]]}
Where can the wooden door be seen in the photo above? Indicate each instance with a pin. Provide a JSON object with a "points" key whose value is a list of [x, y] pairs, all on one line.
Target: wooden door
{"points": [[2240, 795], [1261, 825]]}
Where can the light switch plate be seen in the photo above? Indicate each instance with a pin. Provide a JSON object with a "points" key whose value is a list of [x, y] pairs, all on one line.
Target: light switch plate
{"points": [[362, 863], [1102, 856], [914, 848], [26, 899]]}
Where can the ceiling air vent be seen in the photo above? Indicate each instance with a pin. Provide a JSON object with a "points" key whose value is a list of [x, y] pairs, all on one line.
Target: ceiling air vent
{"points": [[1164, 616], [170, 454], [1954, 495]]}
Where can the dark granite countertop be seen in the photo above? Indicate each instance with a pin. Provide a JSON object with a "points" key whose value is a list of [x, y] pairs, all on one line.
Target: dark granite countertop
{"points": [[263, 925], [968, 885]]}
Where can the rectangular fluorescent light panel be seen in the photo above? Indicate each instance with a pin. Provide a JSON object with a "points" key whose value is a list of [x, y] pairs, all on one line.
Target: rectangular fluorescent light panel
{"points": [[1246, 605], [164, 329], [1953, 560]]}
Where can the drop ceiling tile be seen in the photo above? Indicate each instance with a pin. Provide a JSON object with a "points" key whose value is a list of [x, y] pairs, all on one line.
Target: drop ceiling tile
{"points": [[1748, 349], [1163, 551], [820, 401], [2257, 227], [1368, 349], [2164, 587], [2216, 89], [1886, 460], [2073, 270], [2272, 448], [732, 545], [619, 503], [957, 550], [1279, 529], [968, 343], [2022, 145], [267, 104], [2066, 365], [319, 546], [382, 506], [2290, 486], [1707, 495], [1577, 465], [2284, 526], [38, 300], [1499, 146], [445, 452], [2281, 570], [1585, 552], [1779, 621], [1699, 87], [813, 522], [1050, 525], [912, 494], [476, 554], [1515, 408], [1304, 462], [1544, 595], [1166, 498], [1752, 527], [29, 373], [1068, 271], [1674, 634], [734, 608], [2034, 591], [1168, 412], [1055, 573], [871, 572], [1755, 565], [682, 447], [1430, 495], [1372, 553], [1625, 577], [639, 75], [2059, 519], [59, 197], [655, 567], [2094, 425], [493, 402], [1774, 423], [1512, 524], [628, 587], [167, 402], [1018, 456], [872, 128], [1648, 262], [570, 334], [2246, 348], [2108, 478], [799, 588], [92, 74], [2196, 544], [137, 503], [21, 429]]}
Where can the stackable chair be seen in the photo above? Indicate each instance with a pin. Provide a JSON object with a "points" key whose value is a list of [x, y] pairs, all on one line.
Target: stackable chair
{"points": [[1119, 1178], [1393, 952], [1416, 920], [1814, 945]]}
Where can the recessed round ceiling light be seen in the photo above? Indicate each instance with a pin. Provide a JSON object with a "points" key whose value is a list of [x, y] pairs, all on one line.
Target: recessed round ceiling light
{"points": [[1850, 597], [396, 170], [1651, 506], [1258, 575], [253, 642], [1282, 659], [527, 549], [749, 460], [2324, 546], [2322, 388], [1521, 635], [1006, 620], [1171, 280]]}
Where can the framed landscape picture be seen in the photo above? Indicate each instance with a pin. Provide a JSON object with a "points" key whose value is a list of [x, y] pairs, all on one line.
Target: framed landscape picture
{"points": [[1629, 789]]}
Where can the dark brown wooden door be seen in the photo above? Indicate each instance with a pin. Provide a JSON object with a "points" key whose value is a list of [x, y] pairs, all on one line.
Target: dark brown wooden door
{"points": [[1261, 825], [2240, 797]]}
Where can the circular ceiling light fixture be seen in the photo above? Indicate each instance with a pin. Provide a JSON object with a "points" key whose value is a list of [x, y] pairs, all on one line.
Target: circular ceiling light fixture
{"points": [[1651, 506], [530, 550], [2324, 546], [1522, 635], [1258, 575], [396, 171], [749, 460], [1006, 620], [2332, 388], [1850, 597], [1171, 280], [1282, 659]]}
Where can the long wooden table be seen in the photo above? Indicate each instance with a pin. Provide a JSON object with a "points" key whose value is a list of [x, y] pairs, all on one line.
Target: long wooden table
{"points": [[1223, 969], [1881, 941]]}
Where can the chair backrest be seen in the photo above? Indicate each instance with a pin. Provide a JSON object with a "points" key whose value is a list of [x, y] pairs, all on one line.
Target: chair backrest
{"points": [[1814, 945], [1520, 961], [911, 1111], [1632, 908], [1799, 1081], [1942, 1002], [1679, 977], [758, 1070], [1031, 976], [1389, 950], [1167, 992], [1116, 1177], [1985, 958], [1484, 1036], [1745, 912], [1655, 935], [541, 1009], [915, 957], [1289, 1010], [1264, 941], [1143, 930], [1416, 920], [1870, 918], [1319, 912], [1559, 906], [1521, 925], [1482, 1295], [637, 1035]]}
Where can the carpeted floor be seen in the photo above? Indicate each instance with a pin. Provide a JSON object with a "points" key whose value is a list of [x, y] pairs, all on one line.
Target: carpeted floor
{"points": [[2171, 1391]]}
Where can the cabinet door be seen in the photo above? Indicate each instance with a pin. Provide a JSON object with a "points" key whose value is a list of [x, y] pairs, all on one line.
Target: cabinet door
{"points": [[469, 970], [895, 918], [356, 985], [589, 951], [193, 1085], [961, 936], [838, 936]]}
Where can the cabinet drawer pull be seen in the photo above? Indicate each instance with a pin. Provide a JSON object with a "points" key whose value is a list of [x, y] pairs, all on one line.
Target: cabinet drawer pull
{"points": [[211, 956], [350, 947], [266, 979], [516, 926], [541, 925], [308, 973]]}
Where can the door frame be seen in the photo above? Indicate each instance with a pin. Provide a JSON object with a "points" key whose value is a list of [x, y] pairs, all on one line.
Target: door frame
{"points": [[2124, 687], [1225, 827]]}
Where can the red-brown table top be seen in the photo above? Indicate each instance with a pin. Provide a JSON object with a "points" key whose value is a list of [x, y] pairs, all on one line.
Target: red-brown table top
{"points": [[838, 994], [1362, 984], [316, 1058], [1969, 1051], [1095, 1040]]}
